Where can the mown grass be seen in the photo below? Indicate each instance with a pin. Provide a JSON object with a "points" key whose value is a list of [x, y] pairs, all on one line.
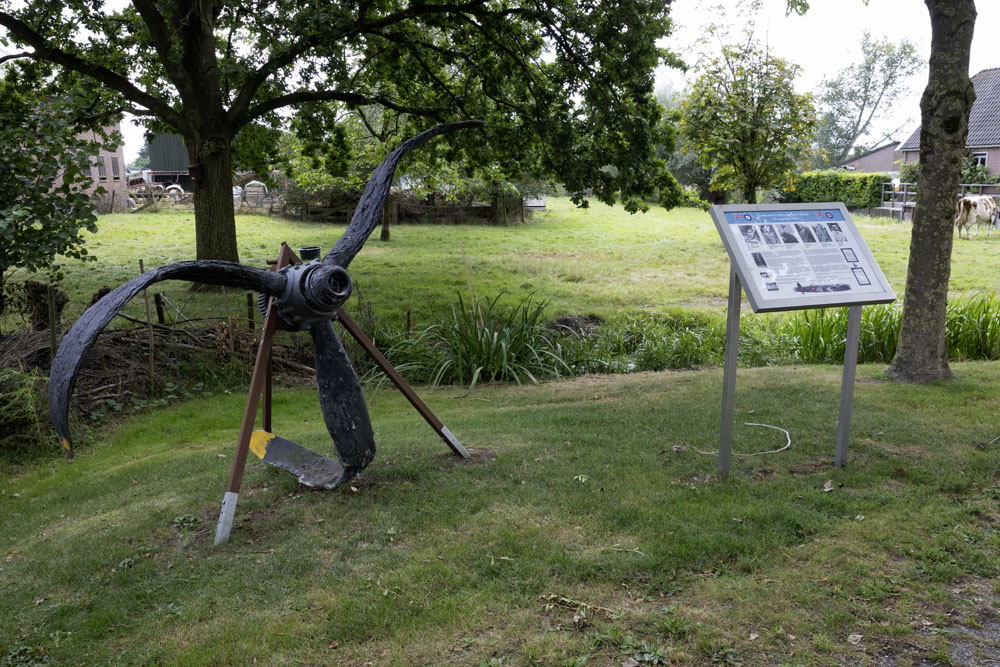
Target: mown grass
{"points": [[583, 491], [599, 260]]}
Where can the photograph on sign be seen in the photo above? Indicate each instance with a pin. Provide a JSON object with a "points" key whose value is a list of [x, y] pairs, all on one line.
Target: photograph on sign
{"points": [[791, 256]]}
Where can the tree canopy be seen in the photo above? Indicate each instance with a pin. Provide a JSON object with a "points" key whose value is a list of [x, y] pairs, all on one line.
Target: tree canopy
{"points": [[861, 95], [565, 88], [744, 118], [45, 169]]}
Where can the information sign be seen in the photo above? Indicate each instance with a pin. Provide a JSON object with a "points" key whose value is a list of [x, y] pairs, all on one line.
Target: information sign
{"points": [[792, 256], [788, 257]]}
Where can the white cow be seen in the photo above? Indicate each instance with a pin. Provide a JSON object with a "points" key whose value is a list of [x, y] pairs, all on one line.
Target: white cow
{"points": [[977, 210]]}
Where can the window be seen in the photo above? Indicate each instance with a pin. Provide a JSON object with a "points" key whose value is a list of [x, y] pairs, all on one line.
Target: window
{"points": [[115, 172], [979, 159], [102, 173]]}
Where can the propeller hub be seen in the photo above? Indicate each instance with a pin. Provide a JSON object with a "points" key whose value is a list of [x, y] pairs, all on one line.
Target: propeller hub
{"points": [[313, 293]]}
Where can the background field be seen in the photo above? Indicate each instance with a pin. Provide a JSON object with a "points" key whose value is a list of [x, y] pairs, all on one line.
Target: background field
{"points": [[599, 260]]}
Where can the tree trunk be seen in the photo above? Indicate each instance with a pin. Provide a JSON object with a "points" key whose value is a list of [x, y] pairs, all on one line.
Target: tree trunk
{"points": [[214, 219], [390, 215], [921, 354]]}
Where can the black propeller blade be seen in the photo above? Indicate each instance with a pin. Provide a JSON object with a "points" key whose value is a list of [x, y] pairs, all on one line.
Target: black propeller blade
{"points": [[344, 409], [306, 296], [75, 344]]}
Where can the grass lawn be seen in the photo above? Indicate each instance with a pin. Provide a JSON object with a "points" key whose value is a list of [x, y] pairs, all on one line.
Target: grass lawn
{"points": [[588, 527], [599, 260]]}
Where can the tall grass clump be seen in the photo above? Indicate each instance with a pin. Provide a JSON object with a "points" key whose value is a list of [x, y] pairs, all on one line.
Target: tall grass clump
{"points": [[647, 343], [763, 341], [488, 342], [879, 333], [24, 414], [820, 334], [973, 327], [484, 341]]}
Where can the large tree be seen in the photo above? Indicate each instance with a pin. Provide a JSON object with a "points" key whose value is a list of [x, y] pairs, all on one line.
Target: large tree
{"points": [[921, 354], [566, 88], [862, 95], [743, 118]]}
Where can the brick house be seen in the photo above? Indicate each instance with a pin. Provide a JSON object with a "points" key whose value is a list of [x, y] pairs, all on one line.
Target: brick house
{"points": [[109, 169], [983, 143]]}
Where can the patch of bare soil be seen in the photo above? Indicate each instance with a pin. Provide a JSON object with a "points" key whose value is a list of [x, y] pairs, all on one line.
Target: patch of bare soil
{"points": [[812, 467], [580, 324], [973, 633], [477, 455], [359, 484], [698, 479]]}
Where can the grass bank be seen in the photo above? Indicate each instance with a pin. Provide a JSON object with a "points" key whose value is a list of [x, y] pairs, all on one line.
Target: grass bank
{"points": [[588, 527]]}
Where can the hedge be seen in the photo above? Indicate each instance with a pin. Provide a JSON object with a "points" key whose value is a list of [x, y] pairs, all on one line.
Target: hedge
{"points": [[855, 189]]}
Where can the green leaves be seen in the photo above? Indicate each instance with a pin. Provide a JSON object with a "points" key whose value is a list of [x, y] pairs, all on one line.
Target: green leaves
{"points": [[44, 168], [564, 87], [744, 118], [862, 94]]}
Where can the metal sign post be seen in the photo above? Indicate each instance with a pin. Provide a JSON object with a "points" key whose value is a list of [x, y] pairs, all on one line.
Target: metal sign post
{"points": [[792, 257], [729, 373], [847, 386]]}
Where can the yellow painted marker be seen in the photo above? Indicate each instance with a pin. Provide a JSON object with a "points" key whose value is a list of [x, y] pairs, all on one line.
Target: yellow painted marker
{"points": [[258, 443]]}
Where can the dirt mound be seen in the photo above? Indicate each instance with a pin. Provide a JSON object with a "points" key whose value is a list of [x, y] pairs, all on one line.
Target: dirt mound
{"points": [[583, 324]]}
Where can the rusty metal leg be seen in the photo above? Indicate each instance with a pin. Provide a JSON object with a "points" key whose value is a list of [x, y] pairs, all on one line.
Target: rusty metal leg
{"points": [[265, 417], [257, 381], [260, 383], [401, 384]]}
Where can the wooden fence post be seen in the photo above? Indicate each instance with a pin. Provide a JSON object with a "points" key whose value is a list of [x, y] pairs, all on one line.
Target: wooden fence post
{"points": [[149, 322], [251, 307]]}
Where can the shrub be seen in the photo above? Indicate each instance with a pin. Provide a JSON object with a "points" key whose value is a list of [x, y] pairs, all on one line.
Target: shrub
{"points": [[856, 190], [977, 173], [909, 172]]}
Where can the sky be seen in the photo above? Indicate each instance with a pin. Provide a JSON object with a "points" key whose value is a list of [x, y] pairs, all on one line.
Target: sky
{"points": [[828, 38]]}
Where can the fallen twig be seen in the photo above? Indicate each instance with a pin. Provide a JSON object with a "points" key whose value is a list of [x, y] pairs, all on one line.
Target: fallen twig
{"points": [[176, 309], [553, 600], [294, 365], [623, 550]]}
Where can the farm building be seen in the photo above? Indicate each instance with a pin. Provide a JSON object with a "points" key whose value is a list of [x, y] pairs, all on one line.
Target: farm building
{"points": [[881, 159], [169, 162], [983, 143]]}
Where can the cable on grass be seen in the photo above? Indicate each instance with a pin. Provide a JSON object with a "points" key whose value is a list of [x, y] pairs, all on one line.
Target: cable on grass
{"points": [[788, 443]]}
